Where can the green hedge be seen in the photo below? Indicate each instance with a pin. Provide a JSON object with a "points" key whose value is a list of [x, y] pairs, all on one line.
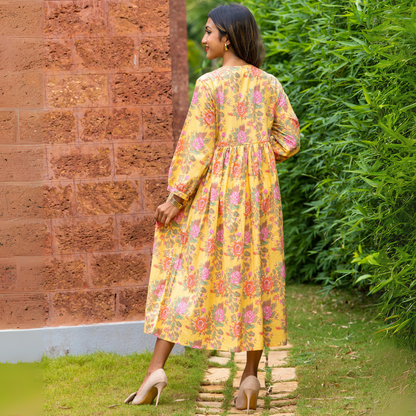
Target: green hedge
{"points": [[349, 68]]}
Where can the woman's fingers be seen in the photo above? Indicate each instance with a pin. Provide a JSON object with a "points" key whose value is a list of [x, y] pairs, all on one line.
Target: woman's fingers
{"points": [[165, 213]]}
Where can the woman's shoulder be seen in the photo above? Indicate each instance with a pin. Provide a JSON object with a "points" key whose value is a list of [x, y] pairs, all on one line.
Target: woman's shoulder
{"points": [[252, 71]]}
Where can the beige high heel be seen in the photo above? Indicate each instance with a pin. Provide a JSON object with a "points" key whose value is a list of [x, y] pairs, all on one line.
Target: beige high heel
{"points": [[247, 394], [153, 386]]}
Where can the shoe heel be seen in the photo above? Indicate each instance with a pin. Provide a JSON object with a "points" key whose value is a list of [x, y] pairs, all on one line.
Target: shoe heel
{"points": [[249, 395], [160, 386]]}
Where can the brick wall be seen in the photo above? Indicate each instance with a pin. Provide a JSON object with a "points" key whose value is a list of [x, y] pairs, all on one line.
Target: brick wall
{"points": [[93, 94]]}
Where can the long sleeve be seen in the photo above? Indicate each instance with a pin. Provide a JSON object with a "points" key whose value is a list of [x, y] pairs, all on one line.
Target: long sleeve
{"points": [[285, 132], [196, 145]]}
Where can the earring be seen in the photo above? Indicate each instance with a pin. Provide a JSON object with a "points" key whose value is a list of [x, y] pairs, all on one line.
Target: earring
{"points": [[226, 46]]}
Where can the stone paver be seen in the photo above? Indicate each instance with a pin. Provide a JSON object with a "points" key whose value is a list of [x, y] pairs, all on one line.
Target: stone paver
{"points": [[277, 358], [219, 360], [216, 375], [283, 374], [283, 383], [285, 387]]}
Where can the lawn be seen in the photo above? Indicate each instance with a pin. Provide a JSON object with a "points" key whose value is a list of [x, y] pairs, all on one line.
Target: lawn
{"points": [[343, 368]]}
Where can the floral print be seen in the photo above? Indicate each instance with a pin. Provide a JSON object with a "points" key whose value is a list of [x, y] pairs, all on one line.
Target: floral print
{"points": [[217, 277]]}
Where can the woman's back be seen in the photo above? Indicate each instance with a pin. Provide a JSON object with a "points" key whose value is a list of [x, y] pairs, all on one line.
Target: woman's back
{"points": [[244, 101]]}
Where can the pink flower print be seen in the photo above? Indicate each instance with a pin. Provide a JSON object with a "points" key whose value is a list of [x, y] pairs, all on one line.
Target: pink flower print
{"points": [[264, 233], [198, 143], [194, 98], [220, 235], [249, 317], [247, 237], [290, 141], [214, 194], [281, 101], [170, 170], [195, 231], [181, 308], [276, 192], [179, 216], [205, 273], [227, 158], [220, 97], [245, 156], [219, 315], [267, 312], [257, 196], [178, 264], [160, 289], [241, 136], [236, 277], [235, 198], [257, 97], [283, 271]]}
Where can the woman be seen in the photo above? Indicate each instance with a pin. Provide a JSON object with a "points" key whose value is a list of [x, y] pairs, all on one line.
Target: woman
{"points": [[218, 277]]}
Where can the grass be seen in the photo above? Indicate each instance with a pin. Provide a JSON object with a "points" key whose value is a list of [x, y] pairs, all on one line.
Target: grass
{"points": [[97, 384], [343, 366]]}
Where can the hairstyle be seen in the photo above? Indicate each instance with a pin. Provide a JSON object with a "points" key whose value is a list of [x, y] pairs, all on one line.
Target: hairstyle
{"points": [[237, 21]]}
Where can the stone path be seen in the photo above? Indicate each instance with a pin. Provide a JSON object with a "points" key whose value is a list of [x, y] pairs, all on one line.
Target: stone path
{"points": [[278, 382]]}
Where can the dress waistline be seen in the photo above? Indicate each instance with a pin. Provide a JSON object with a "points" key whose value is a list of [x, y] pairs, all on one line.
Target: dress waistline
{"points": [[223, 144]]}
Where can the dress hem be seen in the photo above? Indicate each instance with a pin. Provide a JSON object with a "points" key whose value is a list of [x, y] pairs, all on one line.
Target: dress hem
{"points": [[229, 349]]}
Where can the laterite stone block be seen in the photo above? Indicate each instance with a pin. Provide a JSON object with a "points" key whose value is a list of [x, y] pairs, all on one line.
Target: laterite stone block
{"points": [[106, 53], [106, 197], [132, 303], [76, 17], [5, 55], [157, 123], [8, 274], [8, 126], [76, 90], [106, 125], [61, 274], [23, 202], [24, 239], [144, 159], [27, 54], [85, 236], [155, 53], [54, 127], [154, 16], [141, 88], [31, 274], [58, 201], [21, 18], [119, 269], [124, 17], [21, 164], [23, 311], [58, 55], [77, 308], [29, 94], [81, 163], [137, 233], [155, 193]]}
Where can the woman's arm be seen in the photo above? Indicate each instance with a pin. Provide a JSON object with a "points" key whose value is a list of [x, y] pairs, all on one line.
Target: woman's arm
{"points": [[193, 152], [285, 133], [196, 144]]}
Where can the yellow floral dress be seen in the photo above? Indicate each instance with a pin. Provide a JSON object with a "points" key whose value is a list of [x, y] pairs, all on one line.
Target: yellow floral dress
{"points": [[217, 278]]}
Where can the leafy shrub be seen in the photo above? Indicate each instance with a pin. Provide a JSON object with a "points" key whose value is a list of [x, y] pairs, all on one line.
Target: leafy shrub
{"points": [[350, 194]]}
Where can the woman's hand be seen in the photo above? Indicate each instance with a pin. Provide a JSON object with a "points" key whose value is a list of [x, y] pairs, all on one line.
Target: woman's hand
{"points": [[165, 213]]}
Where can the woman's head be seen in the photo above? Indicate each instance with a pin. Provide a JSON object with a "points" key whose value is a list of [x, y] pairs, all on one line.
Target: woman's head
{"points": [[237, 28]]}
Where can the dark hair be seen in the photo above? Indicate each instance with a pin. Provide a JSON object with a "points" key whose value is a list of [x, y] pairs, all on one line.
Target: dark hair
{"points": [[237, 21]]}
